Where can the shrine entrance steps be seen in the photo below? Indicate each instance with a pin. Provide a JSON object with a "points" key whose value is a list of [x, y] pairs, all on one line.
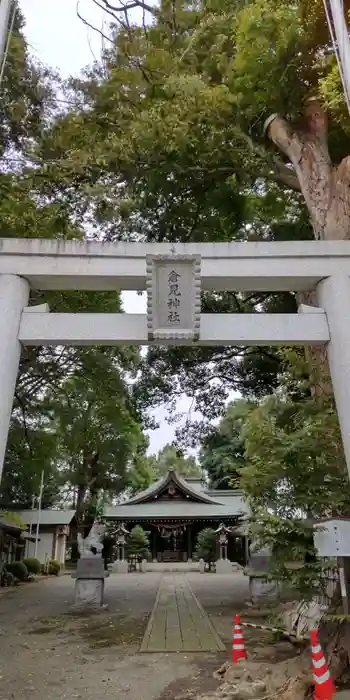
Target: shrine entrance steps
{"points": [[178, 622], [172, 566]]}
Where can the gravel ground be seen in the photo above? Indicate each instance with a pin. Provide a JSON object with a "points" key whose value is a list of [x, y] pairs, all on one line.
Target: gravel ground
{"points": [[48, 654]]}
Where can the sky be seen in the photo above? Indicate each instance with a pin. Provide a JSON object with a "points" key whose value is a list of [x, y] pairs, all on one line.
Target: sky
{"points": [[58, 38]]}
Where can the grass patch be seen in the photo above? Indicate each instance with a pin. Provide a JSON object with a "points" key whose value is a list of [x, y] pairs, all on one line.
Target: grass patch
{"points": [[113, 630], [98, 631], [44, 625], [47, 625]]}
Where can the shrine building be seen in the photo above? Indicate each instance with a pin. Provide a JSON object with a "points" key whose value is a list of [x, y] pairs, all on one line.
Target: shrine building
{"points": [[173, 510]]}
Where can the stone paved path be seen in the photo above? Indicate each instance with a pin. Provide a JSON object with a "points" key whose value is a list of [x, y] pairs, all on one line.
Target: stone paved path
{"points": [[178, 622]]}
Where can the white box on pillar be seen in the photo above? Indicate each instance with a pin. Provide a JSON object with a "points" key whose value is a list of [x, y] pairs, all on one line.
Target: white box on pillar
{"points": [[332, 537]]}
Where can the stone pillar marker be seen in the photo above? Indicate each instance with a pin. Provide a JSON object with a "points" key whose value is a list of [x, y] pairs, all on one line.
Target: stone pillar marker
{"points": [[14, 295], [261, 588], [90, 574]]}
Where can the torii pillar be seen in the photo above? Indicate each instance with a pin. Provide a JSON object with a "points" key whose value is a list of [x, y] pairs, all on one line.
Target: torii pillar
{"points": [[14, 295], [333, 294]]}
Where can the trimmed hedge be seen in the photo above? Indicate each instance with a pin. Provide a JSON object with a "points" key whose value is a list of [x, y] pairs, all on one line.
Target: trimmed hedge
{"points": [[33, 565], [9, 579], [18, 569], [54, 568]]}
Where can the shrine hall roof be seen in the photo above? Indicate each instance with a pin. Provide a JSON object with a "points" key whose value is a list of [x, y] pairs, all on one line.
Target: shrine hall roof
{"points": [[185, 486], [48, 517], [197, 502], [233, 506]]}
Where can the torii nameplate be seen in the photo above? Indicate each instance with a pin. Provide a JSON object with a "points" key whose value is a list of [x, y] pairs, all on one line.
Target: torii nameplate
{"points": [[173, 297]]}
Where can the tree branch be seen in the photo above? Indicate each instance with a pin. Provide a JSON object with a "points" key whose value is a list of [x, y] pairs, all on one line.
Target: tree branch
{"points": [[95, 29], [25, 426], [282, 135], [305, 145], [132, 5], [283, 175]]}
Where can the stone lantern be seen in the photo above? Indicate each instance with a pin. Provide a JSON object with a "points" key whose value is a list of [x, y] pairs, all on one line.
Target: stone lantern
{"points": [[223, 565], [121, 533], [120, 565]]}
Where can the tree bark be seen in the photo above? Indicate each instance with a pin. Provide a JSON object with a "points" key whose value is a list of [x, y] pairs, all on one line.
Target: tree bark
{"points": [[326, 188], [86, 488]]}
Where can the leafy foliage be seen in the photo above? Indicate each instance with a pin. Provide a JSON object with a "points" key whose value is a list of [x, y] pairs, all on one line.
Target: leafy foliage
{"points": [[33, 565], [18, 569], [96, 423], [186, 101], [206, 545], [54, 567], [33, 203], [293, 451], [171, 458], [147, 469], [164, 141], [141, 474], [285, 453], [137, 544], [222, 453], [7, 579]]}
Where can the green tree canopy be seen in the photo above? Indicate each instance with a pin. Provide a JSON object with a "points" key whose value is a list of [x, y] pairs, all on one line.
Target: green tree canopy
{"points": [[174, 123], [164, 140], [137, 544], [294, 461], [171, 458], [147, 469], [32, 204], [206, 545], [98, 430], [291, 468], [222, 454]]}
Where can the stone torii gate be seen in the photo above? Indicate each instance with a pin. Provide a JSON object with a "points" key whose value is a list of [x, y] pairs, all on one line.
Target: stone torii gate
{"points": [[174, 276]]}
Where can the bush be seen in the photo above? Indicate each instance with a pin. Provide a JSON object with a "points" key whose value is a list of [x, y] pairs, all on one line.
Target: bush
{"points": [[206, 546], [54, 567], [9, 579], [18, 569], [33, 565], [137, 544]]}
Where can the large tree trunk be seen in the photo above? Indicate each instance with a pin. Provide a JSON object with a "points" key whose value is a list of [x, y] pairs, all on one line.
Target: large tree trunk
{"points": [[326, 188], [327, 195], [86, 489]]}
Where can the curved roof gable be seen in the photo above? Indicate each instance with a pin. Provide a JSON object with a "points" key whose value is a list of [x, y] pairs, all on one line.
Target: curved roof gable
{"points": [[162, 484]]}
